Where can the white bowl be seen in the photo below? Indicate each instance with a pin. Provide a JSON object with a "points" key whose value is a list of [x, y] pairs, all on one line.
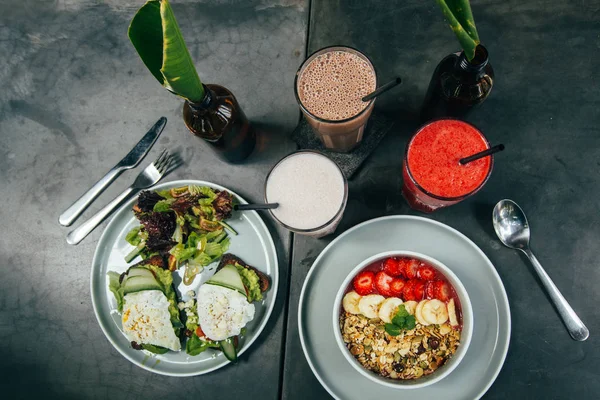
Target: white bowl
{"points": [[444, 370]]}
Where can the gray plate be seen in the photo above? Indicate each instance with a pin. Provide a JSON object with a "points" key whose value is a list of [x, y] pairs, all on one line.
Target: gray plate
{"points": [[491, 315], [254, 245]]}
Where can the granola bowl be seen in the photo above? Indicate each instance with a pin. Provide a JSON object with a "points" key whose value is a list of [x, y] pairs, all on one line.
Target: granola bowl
{"points": [[403, 319]]}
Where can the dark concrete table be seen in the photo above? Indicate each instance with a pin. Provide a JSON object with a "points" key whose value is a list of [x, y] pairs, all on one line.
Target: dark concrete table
{"points": [[75, 96], [545, 108]]}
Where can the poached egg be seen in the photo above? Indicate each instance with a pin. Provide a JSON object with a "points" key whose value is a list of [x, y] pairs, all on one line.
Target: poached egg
{"points": [[222, 312], [146, 319]]}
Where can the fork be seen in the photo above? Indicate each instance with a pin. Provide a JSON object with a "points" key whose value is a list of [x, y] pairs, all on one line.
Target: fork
{"points": [[148, 177]]}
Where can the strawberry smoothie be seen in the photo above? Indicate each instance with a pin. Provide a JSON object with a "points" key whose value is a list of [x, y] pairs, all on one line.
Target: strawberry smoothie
{"points": [[433, 176]]}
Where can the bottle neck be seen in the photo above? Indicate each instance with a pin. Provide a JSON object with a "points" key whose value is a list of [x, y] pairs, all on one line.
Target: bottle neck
{"points": [[477, 64], [207, 101]]}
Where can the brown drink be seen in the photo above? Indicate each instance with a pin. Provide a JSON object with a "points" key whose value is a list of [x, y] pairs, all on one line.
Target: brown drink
{"points": [[329, 87]]}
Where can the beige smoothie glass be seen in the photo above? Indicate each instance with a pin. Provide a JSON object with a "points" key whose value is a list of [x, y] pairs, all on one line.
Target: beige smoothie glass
{"points": [[311, 191], [329, 86]]}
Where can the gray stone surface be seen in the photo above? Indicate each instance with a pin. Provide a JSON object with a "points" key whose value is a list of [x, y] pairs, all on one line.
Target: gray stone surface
{"points": [[544, 108], [75, 98]]}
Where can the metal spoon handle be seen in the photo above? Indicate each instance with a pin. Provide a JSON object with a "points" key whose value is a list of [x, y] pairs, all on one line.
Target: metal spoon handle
{"points": [[575, 326]]}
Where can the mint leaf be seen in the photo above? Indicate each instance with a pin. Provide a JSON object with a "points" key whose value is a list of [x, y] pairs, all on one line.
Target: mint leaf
{"points": [[399, 321], [402, 311], [409, 322], [402, 321], [392, 329]]}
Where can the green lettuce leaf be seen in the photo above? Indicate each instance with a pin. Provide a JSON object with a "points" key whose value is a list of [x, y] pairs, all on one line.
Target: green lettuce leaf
{"points": [[165, 193], [207, 211], [193, 239], [133, 237], [115, 287], [224, 245], [195, 345], [163, 205], [213, 249], [205, 202], [211, 235], [181, 253], [202, 190], [203, 259], [154, 349]]}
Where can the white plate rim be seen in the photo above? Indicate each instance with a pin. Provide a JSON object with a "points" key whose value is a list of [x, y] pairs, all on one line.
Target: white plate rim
{"points": [[403, 217], [97, 254]]}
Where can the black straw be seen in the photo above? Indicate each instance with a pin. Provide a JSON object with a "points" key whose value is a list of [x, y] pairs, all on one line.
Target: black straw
{"points": [[382, 89], [246, 207], [482, 154]]}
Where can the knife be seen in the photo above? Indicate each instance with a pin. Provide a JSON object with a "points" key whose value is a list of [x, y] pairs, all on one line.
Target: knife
{"points": [[131, 160]]}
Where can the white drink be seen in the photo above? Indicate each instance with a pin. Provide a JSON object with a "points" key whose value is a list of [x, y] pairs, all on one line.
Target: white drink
{"points": [[311, 192]]}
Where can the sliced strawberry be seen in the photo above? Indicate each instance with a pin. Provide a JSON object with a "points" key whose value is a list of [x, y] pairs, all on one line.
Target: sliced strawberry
{"points": [[410, 267], [407, 292], [397, 286], [426, 272], [429, 290], [419, 289], [382, 283], [442, 291], [363, 282], [392, 267]]}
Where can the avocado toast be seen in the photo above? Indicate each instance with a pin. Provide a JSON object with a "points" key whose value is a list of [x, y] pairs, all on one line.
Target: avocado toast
{"points": [[148, 306], [223, 307]]}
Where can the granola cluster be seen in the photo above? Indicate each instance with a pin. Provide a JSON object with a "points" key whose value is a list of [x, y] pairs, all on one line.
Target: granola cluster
{"points": [[410, 355]]}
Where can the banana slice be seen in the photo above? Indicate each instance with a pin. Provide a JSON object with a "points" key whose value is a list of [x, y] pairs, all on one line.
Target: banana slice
{"points": [[350, 302], [452, 313], [388, 309], [434, 312], [410, 306], [369, 305], [419, 313]]}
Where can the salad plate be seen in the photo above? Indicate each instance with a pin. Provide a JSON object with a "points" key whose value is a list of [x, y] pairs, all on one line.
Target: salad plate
{"points": [[490, 309], [253, 244]]}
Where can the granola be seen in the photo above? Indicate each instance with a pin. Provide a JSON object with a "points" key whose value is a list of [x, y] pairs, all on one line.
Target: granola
{"points": [[410, 355]]}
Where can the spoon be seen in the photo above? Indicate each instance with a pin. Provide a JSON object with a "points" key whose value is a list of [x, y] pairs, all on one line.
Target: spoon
{"points": [[512, 228]]}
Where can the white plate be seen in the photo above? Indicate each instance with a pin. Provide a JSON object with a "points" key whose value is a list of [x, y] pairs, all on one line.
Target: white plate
{"points": [[491, 315], [253, 244]]}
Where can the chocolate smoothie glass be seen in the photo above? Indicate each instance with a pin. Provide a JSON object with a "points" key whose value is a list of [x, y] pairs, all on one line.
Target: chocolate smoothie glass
{"points": [[329, 87]]}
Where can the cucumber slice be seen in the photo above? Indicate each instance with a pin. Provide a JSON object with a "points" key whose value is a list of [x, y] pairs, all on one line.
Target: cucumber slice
{"points": [[228, 348], [228, 277], [139, 283], [139, 271], [135, 252]]}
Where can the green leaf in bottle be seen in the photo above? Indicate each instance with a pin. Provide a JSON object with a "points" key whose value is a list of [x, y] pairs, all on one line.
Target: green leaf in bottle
{"points": [[460, 17], [157, 38]]}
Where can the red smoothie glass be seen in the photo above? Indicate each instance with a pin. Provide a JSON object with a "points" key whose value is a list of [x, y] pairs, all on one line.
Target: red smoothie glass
{"points": [[433, 176]]}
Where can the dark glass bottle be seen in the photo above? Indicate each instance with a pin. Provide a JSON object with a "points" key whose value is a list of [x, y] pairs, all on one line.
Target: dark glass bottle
{"points": [[219, 120], [458, 85]]}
